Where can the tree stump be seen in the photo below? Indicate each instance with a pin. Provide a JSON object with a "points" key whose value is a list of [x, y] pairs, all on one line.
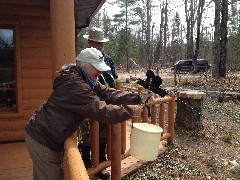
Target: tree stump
{"points": [[189, 109]]}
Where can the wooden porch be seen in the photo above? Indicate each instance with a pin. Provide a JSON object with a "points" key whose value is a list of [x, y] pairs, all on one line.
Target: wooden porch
{"points": [[16, 163]]}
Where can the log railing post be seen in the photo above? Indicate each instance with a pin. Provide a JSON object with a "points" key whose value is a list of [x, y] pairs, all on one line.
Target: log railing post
{"points": [[109, 146], [116, 152], [116, 142], [154, 114], [171, 110], [145, 115], [140, 92], [73, 164], [118, 85], [94, 129], [123, 136], [123, 124], [161, 116]]}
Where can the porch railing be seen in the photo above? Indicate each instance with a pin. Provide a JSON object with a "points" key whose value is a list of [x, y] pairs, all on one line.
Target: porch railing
{"points": [[116, 140]]}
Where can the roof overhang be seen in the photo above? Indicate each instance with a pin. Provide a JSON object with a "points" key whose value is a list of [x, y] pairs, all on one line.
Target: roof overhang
{"points": [[84, 11]]}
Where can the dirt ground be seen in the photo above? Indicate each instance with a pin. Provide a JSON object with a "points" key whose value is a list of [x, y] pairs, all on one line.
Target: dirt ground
{"points": [[210, 153], [163, 73]]}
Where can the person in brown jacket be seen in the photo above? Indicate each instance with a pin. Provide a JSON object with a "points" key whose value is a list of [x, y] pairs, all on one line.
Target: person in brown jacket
{"points": [[96, 39], [76, 95]]}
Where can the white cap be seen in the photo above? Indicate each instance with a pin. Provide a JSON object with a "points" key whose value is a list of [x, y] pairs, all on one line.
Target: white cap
{"points": [[96, 34], [93, 56]]}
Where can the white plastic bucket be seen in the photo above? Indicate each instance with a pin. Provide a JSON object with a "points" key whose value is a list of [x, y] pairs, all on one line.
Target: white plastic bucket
{"points": [[145, 141]]}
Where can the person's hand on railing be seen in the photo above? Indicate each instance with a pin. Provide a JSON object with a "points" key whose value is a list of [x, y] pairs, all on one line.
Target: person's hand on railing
{"points": [[148, 99], [137, 109]]}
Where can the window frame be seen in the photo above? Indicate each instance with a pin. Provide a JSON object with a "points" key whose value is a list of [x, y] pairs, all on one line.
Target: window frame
{"points": [[18, 86]]}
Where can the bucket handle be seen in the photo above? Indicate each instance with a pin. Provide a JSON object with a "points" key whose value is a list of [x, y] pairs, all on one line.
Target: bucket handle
{"points": [[145, 103]]}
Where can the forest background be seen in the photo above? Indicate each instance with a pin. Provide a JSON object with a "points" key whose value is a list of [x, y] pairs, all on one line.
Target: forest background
{"points": [[150, 33]]}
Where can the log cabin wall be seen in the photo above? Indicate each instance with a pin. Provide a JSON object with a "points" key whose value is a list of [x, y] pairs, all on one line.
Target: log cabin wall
{"points": [[31, 19]]}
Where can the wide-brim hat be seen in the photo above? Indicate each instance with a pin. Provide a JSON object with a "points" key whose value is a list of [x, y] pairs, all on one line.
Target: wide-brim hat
{"points": [[96, 34], [94, 57]]}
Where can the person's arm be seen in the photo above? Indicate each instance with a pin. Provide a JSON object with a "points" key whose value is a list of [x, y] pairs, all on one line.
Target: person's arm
{"points": [[109, 61], [78, 97], [112, 96], [113, 69]]}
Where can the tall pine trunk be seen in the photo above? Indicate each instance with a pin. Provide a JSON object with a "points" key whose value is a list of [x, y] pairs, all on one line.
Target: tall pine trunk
{"points": [[216, 49], [224, 39]]}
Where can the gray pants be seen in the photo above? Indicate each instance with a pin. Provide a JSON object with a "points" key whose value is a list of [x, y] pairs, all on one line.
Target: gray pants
{"points": [[46, 163]]}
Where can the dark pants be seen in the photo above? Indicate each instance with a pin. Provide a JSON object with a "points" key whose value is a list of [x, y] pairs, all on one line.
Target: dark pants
{"points": [[85, 151]]}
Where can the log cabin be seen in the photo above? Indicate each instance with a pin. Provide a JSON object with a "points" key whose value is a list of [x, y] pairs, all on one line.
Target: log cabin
{"points": [[36, 38]]}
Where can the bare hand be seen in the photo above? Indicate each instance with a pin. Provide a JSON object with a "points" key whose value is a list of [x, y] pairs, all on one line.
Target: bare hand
{"points": [[151, 100], [137, 109], [148, 99], [146, 96]]}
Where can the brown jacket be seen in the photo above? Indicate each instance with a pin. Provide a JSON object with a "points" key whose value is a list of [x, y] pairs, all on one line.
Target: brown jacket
{"points": [[73, 100]]}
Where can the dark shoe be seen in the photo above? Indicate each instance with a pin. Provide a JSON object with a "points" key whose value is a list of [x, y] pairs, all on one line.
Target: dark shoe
{"points": [[104, 175], [102, 152]]}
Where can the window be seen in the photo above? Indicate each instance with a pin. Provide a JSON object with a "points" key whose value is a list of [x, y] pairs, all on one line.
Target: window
{"points": [[202, 62], [7, 70]]}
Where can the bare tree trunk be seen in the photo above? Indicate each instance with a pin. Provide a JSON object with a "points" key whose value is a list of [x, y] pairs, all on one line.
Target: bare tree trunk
{"points": [[188, 29], [165, 29], [192, 22], [148, 34], [224, 39], [126, 29], [189, 14], [182, 48], [216, 51], [161, 30], [199, 20]]}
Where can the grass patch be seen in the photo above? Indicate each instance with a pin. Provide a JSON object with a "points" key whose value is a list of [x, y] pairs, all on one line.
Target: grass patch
{"points": [[226, 138]]}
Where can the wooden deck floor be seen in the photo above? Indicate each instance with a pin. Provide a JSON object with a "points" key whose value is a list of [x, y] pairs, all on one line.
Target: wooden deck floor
{"points": [[15, 161], [16, 164]]}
